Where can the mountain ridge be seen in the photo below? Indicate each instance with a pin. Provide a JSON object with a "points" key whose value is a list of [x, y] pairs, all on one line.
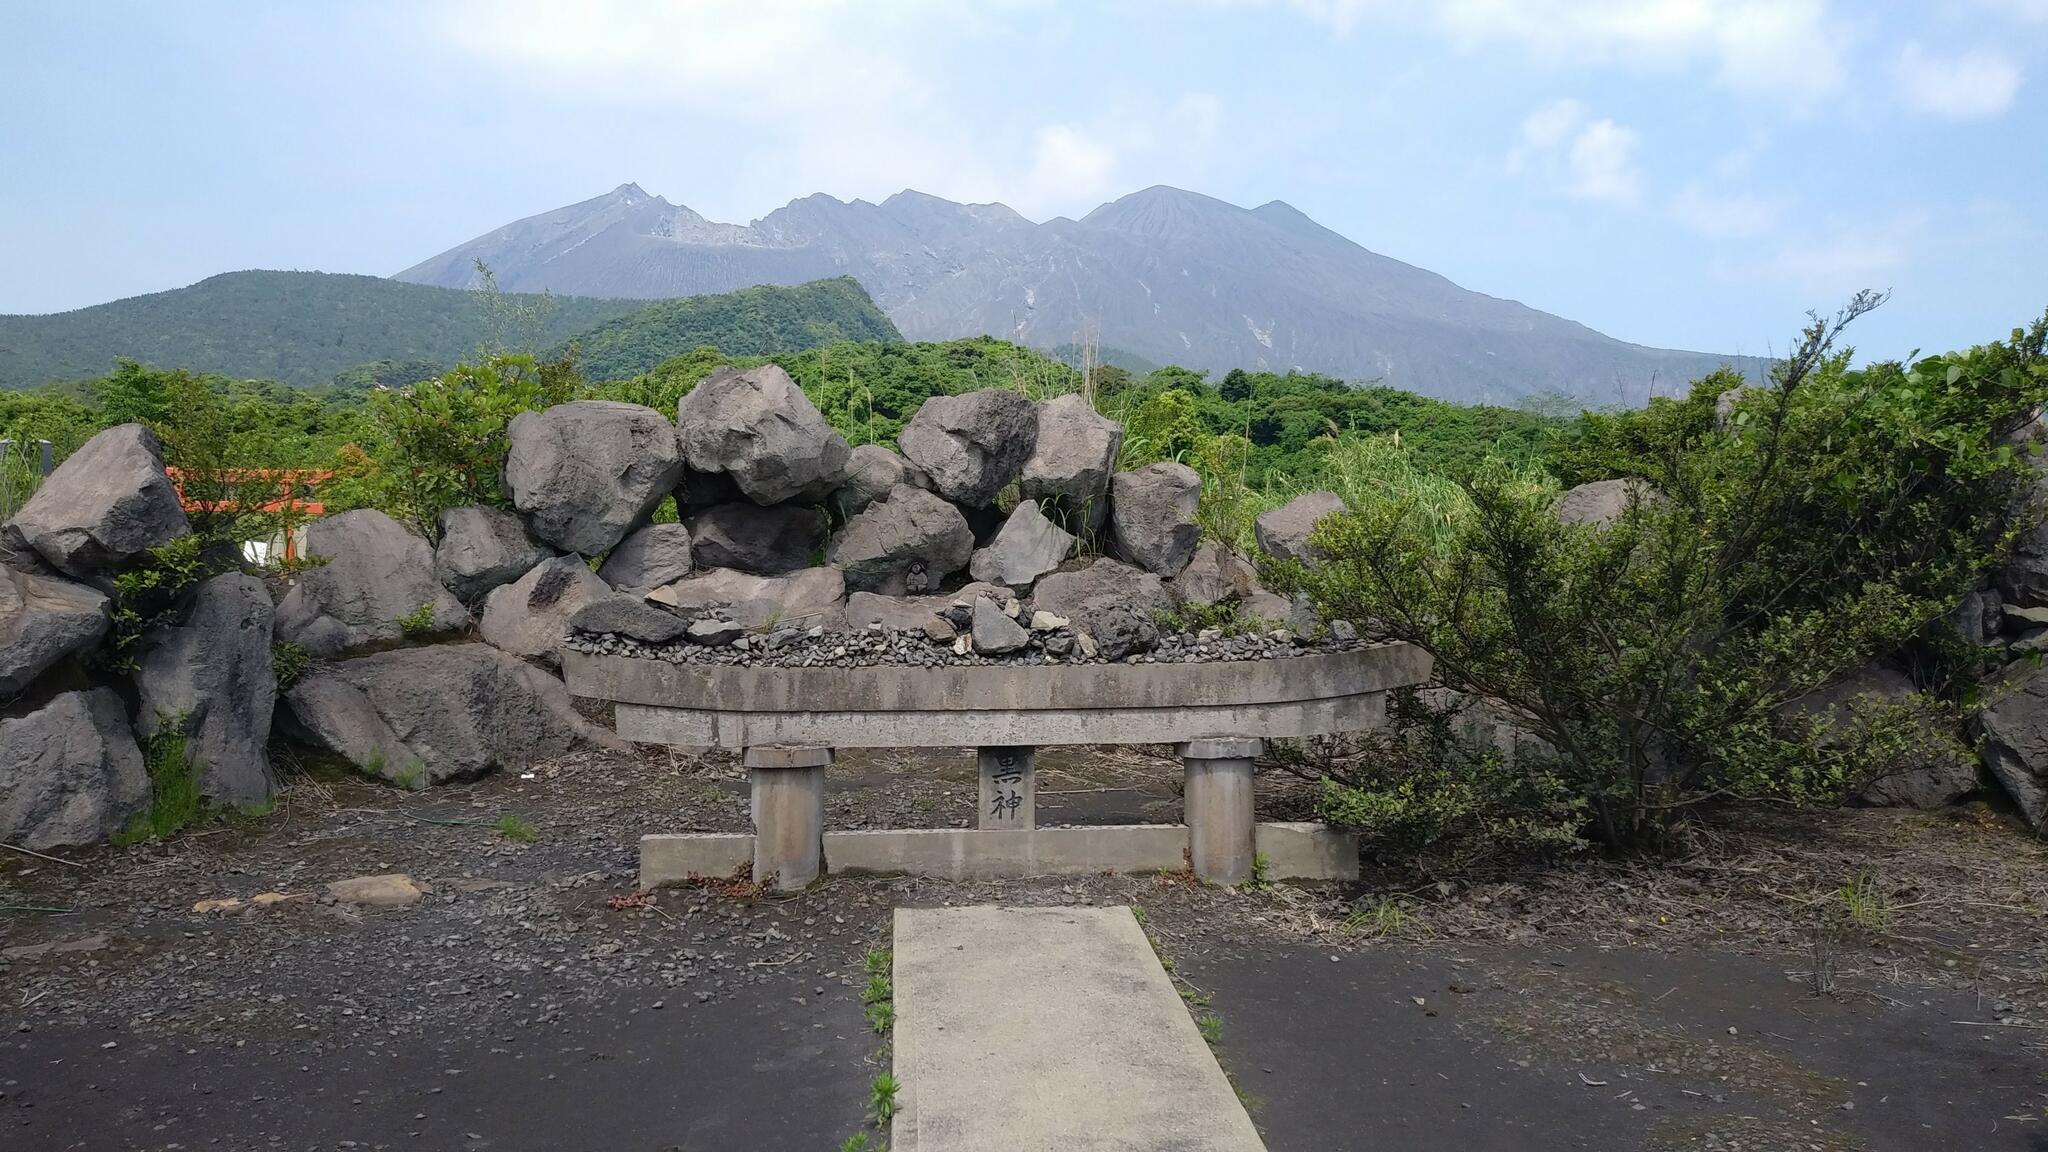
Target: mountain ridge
{"points": [[1167, 274]]}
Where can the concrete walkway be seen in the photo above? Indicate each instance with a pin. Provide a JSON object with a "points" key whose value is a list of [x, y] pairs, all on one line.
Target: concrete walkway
{"points": [[1049, 1030]]}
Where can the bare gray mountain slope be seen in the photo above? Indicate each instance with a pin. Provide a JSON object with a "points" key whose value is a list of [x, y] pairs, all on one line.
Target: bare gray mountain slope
{"points": [[1172, 276]]}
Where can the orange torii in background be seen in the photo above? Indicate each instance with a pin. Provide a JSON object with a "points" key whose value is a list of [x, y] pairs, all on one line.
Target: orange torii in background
{"points": [[294, 492]]}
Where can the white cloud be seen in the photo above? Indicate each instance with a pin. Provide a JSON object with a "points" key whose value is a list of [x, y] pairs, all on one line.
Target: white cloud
{"points": [[1830, 261], [1792, 49], [1068, 161], [1603, 165], [1584, 158], [1969, 86], [2020, 9], [1736, 216], [838, 96]]}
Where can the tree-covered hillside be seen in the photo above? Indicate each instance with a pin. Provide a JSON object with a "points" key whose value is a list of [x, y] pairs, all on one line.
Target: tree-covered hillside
{"points": [[300, 328], [313, 329], [751, 322]]}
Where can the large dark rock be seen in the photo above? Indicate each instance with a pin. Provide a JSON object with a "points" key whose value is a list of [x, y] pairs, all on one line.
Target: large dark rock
{"points": [[420, 716], [1152, 512], [696, 491], [872, 470], [628, 615], [814, 597], [1027, 547], [908, 543], [374, 573], [655, 555], [1112, 602], [994, 631], [1217, 575], [2022, 577], [482, 547], [765, 541], [106, 505], [1932, 781], [212, 677], [587, 472], [43, 619], [1284, 531], [70, 773], [530, 616], [902, 613], [972, 445], [16, 552], [757, 427], [1071, 462], [2014, 740]]}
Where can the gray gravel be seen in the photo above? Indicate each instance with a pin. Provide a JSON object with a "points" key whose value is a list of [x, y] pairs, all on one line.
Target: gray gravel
{"points": [[879, 646]]}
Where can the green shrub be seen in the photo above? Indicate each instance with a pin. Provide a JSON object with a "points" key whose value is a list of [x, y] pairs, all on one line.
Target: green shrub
{"points": [[441, 443], [1437, 787], [288, 662], [1839, 516], [150, 595], [174, 801], [516, 828], [418, 622]]}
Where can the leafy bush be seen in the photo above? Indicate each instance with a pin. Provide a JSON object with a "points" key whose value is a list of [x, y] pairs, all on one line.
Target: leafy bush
{"points": [[1440, 787], [174, 800], [441, 443], [418, 622], [288, 662], [150, 595], [1835, 517]]}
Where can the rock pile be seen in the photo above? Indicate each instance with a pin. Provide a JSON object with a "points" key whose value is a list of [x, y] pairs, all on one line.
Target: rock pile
{"points": [[432, 660]]}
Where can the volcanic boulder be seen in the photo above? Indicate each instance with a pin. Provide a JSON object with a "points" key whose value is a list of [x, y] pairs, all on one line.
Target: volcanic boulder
{"points": [[655, 555], [757, 427], [765, 541], [971, 445], [1152, 511], [420, 716], [530, 616], [587, 472], [376, 573], [43, 619], [1071, 462], [212, 676], [106, 505], [871, 471], [1027, 547], [1284, 531], [482, 547], [70, 773], [906, 544]]}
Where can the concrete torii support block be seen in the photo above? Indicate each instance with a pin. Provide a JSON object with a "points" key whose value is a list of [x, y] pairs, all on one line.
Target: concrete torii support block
{"points": [[789, 813], [1218, 803]]}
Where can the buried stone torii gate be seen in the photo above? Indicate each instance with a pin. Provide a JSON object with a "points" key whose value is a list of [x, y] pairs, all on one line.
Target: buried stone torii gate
{"points": [[786, 721]]}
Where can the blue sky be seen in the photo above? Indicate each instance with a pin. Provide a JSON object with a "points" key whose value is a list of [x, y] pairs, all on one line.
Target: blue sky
{"points": [[1685, 173]]}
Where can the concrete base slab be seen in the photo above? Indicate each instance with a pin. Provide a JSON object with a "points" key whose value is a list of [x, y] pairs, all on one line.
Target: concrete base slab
{"points": [[1306, 850], [988, 854], [1049, 1028], [1293, 851], [676, 858]]}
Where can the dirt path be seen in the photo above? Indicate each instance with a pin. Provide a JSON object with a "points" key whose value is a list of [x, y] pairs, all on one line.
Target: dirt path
{"points": [[515, 1007]]}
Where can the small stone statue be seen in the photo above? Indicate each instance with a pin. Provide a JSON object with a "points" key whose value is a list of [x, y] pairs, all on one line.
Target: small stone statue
{"points": [[916, 582]]}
